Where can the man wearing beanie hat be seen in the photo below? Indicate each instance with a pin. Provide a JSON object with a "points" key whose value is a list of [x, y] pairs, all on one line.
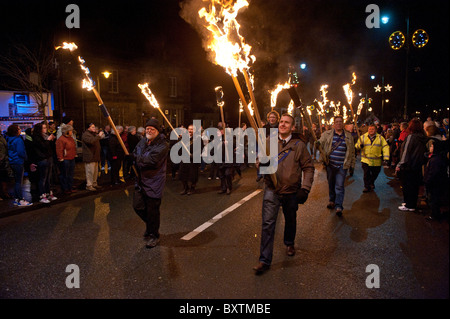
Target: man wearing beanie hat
{"points": [[150, 157], [66, 121]]}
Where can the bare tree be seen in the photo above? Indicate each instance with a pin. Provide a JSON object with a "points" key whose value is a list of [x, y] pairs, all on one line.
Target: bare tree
{"points": [[29, 71]]}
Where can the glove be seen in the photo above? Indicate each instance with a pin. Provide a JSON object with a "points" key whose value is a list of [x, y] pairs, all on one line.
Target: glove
{"points": [[302, 195]]}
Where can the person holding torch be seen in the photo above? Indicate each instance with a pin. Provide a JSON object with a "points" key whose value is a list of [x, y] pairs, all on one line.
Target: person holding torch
{"points": [[150, 157]]}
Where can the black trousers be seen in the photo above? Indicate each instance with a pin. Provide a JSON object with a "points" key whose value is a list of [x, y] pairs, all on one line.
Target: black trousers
{"points": [[370, 174], [411, 181], [147, 209]]}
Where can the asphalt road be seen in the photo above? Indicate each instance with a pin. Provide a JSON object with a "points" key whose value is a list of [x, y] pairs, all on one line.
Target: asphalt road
{"points": [[335, 257]]}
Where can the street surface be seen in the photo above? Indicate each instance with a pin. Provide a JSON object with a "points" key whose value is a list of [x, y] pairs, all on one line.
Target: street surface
{"points": [[210, 242]]}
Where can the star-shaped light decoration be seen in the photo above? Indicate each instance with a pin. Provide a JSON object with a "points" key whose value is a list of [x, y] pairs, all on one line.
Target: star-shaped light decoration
{"points": [[377, 88], [388, 88]]}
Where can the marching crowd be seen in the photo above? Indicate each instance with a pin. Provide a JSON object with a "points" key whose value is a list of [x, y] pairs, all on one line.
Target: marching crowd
{"points": [[416, 152]]}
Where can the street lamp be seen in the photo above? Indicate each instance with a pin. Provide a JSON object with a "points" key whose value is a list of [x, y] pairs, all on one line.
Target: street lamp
{"points": [[397, 40]]}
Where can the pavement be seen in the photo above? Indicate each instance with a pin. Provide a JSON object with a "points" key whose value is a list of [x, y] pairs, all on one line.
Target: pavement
{"points": [[7, 207]]}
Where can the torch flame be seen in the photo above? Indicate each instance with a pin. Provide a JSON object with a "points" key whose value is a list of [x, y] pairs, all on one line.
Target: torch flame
{"points": [[148, 94], [87, 82], [274, 93], [229, 48], [67, 46], [290, 107]]}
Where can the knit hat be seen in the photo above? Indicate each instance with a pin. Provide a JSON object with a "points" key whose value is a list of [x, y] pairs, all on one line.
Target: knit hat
{"points": [[154, 123], [66, 128], [66, 119]]}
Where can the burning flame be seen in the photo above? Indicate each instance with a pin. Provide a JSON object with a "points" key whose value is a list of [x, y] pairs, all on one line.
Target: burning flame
{"points": [[67, 46], [229, 47], [250, 108], [148, 94], [348, 91], [87, 82], [360, 106], [291, 107], [323, 90], [274, 93]]}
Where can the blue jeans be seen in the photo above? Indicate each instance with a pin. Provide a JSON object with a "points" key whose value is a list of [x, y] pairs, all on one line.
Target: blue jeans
{"points": [[66, 169], [336, 180], [271, 205], [18, 178]]}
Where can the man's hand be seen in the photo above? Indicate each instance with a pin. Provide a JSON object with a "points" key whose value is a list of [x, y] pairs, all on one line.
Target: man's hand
{"points": [[302, 195]]}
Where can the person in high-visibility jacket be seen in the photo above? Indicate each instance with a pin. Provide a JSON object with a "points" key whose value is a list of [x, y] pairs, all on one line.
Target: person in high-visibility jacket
{"points": [[374, 153]]}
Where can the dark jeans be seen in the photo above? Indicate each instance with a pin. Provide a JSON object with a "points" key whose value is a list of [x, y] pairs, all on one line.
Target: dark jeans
{"points": [[147, 209], [271, 205], [336, 180], [66, 169], [43, 168], [370, 174], [18, 178]]}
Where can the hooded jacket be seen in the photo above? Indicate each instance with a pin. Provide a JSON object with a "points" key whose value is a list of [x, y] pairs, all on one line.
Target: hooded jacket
{"points": [[16, 150], [151, 163]]}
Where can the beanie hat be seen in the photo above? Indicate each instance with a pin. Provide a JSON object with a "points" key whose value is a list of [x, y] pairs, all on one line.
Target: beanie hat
{"points": [[66, 128], [66, 119], [154, 123]]}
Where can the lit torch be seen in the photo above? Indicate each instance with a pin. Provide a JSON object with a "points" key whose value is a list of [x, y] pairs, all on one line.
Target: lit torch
{"points": [[274, 93], [231, 55], [298, 104], [349, 94], [89, 84], [153, 102]]}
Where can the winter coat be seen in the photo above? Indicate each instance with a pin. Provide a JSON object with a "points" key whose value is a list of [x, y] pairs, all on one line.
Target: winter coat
{"points": [[116, 151], [151, 163], [91, 147], [41, 149], [295, 168], [412, 152], [66, 148], [16, 150], [326, 140], [373, 153]]}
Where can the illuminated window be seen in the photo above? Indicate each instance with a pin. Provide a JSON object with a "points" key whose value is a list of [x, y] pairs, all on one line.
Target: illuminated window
{"points": [[113, 82]]}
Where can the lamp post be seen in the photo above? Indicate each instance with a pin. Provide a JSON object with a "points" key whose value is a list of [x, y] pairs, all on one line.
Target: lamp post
{"points": [[397, 40], [381, 89]]}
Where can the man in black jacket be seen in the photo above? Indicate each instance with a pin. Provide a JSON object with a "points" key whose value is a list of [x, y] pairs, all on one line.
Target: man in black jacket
{"points": [[150, 156]]}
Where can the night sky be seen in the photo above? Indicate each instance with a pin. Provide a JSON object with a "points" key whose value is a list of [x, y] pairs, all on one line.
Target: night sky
{"points": [[329, 36]]}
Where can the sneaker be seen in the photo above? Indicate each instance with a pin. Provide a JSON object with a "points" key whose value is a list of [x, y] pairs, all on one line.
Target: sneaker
{"points": [[23, 203], [339, 212], [91, 188], [52, 197], [44, 199], [16, 201], [406, 209]]}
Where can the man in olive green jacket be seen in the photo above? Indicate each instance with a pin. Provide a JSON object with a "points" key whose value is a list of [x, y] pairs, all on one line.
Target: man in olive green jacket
{"points": [[339, 149]]}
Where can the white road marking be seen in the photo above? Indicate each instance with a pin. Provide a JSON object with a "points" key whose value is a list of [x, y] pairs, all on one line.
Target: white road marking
{"points": [[225, 212]]}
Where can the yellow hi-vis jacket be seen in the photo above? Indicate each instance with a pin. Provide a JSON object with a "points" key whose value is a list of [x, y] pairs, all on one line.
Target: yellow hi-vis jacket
{"points": [[373, 153]]}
